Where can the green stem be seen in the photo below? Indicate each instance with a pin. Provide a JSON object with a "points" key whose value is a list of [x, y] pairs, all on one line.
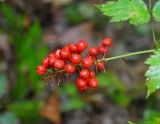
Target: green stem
{"points": [[153, 34], [117, 57], [152, 23], [126, 55]]}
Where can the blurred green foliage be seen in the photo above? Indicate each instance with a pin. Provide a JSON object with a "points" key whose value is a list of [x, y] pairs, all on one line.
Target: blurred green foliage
{"points": [[73, 100], [25, 109], [143, 29], [129, 122], [3, 82], [151, 117], [77, 13], [116, 89], [9, 118], [29, 51]]}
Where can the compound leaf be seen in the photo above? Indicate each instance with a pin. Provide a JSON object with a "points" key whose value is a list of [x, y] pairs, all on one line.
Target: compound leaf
{"points": [[156, 11], [133, 10], [153, 73]]}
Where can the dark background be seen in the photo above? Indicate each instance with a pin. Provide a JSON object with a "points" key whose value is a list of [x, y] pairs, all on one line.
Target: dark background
{"points": [[30, 29]]}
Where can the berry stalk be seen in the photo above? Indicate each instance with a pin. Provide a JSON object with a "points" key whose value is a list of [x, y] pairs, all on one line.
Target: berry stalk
{"points": [[126, 55]]}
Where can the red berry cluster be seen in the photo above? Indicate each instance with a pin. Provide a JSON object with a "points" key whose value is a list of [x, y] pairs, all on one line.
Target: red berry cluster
{"points": [[69, 58]]}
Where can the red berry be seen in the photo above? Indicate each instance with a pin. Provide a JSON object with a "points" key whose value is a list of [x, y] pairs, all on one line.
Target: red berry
{"points": [[69, 68], [100, 66], [87, 62], [107, 42], [81, 84], [82, 89], [93, 82], [92, 73], [66, 48], [84, 73], [76, 58], [73, 47], [59, 64], [94, 58], [93, 51], [103, 50], [81, 46], [85, 43], [41, 70], [65, 53], [45, 62], [57, 53], [51, 55], [51, 59]]}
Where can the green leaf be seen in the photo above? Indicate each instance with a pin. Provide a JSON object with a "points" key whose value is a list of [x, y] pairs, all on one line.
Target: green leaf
{"points": [[153, 73], [133, 10], [156, 11]]}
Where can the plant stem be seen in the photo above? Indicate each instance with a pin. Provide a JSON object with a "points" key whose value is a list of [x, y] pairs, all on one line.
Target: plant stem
{"points": [[126, 55], [152, 23], [153, 34], [116, 57], [150, 5]]}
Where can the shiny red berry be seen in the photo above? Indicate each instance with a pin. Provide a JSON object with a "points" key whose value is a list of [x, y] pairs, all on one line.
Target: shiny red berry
{"points": [[93, 51], [84, 73], [69, 68], [57, 53], [103, 50], [65, 53], [94, 58], [51, 55], [93, 82], [87, 62], [85, 43], [45, 62], [59, 64], [100, 66], [76, 58], [51, 59], [92, 73], [41, 70], [73, 47], [107, 42], [82, 89], [66, 48], [81, 84], [81, 46]]}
